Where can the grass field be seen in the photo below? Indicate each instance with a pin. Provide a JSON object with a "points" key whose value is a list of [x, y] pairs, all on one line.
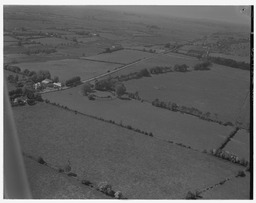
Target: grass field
{"points": [[139, 166], [65, 69], [240, 145], [9, 39], [122, 56], [221, 90], [170, 59], [163, 124], [53, 41], [45, 183], [233, 57], [237, 188]]}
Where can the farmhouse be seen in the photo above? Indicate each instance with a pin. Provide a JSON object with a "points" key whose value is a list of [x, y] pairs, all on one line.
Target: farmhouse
{"points": [[114, 48], [57, 85], [46, 81]]}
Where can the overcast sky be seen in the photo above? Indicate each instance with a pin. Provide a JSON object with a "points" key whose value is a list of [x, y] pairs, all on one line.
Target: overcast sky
{"points": [[231, 14]]}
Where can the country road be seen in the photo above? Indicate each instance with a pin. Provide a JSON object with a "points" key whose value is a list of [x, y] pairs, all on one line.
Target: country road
{"points": [[114, 71]]}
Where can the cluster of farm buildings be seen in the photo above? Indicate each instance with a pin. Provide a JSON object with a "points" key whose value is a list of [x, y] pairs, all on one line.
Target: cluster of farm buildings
{"points": [[47, 83]]}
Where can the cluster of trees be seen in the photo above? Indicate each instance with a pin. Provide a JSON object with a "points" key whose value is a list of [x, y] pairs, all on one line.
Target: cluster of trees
{"points": [[24, 92], [189, 110], [181, 68], [111, 84], [203, 66], [14, 69], [106, 188], [227, 156], [149, 50], [134, 95], [120, 89], [37, 76], [73, 81], [105, 84], [159, 69], [37, 51], [86, 89], [135, 75], [34, 76], [230, 63], [13, 79]]}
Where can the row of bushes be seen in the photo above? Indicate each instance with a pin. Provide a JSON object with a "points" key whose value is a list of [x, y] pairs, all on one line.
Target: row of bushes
{"points": [[73, 81], [166, 69], [135, 75], [227, 156], [102, 119], [203, 66], [188, 110], [230, 63], [38, 51], [14, 69], [106, 188], [159, 70]]}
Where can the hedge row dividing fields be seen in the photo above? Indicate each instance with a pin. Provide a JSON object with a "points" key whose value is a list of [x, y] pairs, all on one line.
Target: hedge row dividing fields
{"points": [[85, 182], [136, 165], [150, 134]]}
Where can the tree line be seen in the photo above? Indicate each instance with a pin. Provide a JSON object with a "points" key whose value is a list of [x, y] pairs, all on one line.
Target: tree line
{"points": [[230, 62]]}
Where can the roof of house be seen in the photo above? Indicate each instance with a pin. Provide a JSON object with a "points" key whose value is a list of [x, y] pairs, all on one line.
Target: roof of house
{"points": [[46, 81], [57, 83]]}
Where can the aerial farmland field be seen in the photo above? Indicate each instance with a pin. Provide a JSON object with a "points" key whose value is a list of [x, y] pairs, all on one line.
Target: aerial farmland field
{"points": [[103, 104], [222, 90], [122, 56], [137, 165], [240, 145], [163, 124], [52, 41], [68, 68], [169, 59]]}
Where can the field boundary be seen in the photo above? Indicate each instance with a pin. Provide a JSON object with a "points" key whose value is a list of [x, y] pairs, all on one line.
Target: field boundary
{"points": [[84, 182], [129, 127], [94, 60]]}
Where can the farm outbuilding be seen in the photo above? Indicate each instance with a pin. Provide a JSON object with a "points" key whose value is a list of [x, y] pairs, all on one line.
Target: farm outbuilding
{"points": [[57, 85], [46, 81]]}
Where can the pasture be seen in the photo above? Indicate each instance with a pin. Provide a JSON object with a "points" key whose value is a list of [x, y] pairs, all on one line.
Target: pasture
{"points": [[45, 183], [139, 166], [9, 39], [240, 145], [162, 123], [121, 56], [237, 188], [222, 90], [170, 59], [53, 41], [233, 57], [67, 68]]}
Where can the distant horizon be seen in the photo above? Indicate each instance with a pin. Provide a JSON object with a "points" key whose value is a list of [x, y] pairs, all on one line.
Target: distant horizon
{"points": [[225, 14]]}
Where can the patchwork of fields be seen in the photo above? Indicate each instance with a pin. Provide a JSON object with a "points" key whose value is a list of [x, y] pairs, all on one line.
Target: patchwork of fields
{"points": [[170, 59], [221, 90], [163, 124], [135, 164], [67, 68], [115, 134], [122, 56], [240, 145]]}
